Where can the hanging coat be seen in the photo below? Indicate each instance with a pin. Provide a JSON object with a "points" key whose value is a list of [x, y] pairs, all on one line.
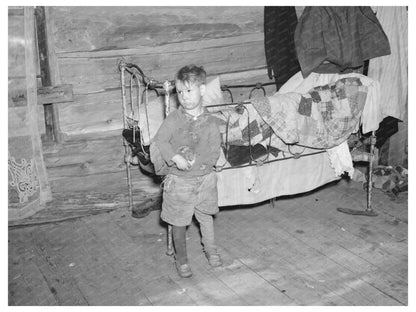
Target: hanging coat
{"points": [[338, 39], [279, 29]]}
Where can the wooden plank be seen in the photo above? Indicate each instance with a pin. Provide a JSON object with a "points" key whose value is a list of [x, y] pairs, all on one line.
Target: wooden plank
{"points": [[248, 284], [51, 112], [89, 84], [42, 43], [107, 182], [203, 288], [92, 113], [85, 157], [356, 255], [354, 252], [15, 11], [163, 291], [54, 71], [26, 282], [81, 262], [31, 288], [391, 226], [107, 269], [16, 49], [45, 95], [104, 200], [273, 252], [55, 269], [241, 278], [305, 262], [203, 44], [55, 94], [390, 286], [87, 114], [296, 249], [17, 121], [218, 56], [87, 76], [45, 191], [349, 268], [206, 289], [104, 28], [147, 272]]}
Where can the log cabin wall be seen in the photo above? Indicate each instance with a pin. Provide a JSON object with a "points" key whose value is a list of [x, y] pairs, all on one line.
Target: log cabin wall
{"points": [[88, 43]]}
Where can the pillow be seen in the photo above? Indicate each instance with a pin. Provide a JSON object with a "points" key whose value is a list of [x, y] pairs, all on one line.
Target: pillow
{"points": [[213, 93]]}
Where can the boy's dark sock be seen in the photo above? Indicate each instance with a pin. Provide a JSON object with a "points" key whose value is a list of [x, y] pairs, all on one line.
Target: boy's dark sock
{"points": [[179, 241]]}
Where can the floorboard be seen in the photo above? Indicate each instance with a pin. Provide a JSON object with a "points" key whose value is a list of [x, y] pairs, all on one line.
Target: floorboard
{"points": [[301, 252]]}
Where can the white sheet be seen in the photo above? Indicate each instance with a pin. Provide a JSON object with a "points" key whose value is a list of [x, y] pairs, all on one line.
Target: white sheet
{"points": [[254, 184], [391, 70]]}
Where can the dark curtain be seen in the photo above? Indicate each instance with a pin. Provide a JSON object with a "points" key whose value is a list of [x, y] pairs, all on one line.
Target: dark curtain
{"points": [[279, 29]]}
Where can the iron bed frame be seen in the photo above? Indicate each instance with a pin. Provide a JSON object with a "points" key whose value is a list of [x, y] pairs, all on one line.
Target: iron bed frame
{"points": [[166, 88]]}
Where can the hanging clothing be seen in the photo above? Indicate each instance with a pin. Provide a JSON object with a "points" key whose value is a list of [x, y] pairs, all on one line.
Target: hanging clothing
{"points": [[391, 70], [386, 129], [279, 29], [338, 39]]}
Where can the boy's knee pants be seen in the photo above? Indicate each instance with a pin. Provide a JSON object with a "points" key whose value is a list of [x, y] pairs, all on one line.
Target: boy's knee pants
{"points": [[182, 197]]}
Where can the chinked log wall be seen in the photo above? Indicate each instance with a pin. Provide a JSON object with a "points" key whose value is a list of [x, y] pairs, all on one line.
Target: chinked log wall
{"points": [[88, 44]]}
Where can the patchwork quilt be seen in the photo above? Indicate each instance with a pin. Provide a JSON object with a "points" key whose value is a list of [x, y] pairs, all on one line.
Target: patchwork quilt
{"points": [[322, 118]]}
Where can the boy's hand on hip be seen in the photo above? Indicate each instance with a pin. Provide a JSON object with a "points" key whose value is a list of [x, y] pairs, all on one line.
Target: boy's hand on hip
{"points": [[180, 162]]}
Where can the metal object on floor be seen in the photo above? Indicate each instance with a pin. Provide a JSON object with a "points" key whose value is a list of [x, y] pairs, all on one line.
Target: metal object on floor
{"points": [[369, 210]]}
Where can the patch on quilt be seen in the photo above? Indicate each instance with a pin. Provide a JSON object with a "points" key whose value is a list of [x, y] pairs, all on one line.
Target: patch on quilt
{"points": [[305, 106], [242, 127], [334, 111]]}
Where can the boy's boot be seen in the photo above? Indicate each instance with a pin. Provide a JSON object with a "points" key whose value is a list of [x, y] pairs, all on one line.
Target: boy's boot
{"points": [[214, 258]]}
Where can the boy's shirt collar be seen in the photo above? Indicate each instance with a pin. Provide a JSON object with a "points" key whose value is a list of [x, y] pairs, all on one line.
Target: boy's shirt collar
{"points": [[190, 116]]}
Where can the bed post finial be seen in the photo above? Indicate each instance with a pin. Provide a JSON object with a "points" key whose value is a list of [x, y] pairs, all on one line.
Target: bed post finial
{"points": [[167, 86], [121, 65]]}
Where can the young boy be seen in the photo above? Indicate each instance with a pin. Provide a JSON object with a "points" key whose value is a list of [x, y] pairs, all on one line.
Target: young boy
{"points": [[189, 144]]}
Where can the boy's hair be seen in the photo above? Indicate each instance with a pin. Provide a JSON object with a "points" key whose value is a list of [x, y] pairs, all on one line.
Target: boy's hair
{"points": [[192, 73]]}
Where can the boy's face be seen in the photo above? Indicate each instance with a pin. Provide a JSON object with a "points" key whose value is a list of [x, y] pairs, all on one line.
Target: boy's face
{"points": [[189, 94]]}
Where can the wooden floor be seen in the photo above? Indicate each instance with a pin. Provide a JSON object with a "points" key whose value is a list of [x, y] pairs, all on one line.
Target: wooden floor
{"points": [[299, 252]]}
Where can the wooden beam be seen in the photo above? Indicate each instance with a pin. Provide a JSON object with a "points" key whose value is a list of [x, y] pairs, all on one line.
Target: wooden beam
{"points": [[51, 113], [168, 48], [31, 89], [17, 121], [55, 94], [45, 95], [15, 11]]}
